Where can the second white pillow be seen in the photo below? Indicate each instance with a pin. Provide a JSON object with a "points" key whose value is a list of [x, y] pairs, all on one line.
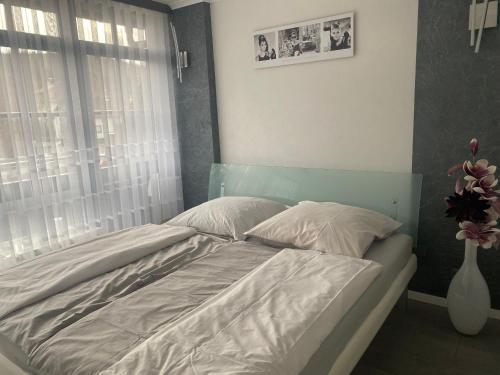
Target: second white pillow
{"points": [[330, 227]]}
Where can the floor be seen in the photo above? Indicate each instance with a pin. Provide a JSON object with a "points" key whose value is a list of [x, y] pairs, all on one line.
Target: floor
{"points": [[422, 340]]}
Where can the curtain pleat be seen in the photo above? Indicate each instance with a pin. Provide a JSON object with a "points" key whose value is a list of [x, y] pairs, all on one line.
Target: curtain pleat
{"points": [[88, 140]]}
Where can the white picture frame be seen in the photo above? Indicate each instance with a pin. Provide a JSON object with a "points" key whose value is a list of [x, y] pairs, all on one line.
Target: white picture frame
{"points": [[312, 40]]}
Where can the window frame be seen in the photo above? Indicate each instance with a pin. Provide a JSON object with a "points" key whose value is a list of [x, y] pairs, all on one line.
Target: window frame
{"points": [[81, 49], [18, 41]]}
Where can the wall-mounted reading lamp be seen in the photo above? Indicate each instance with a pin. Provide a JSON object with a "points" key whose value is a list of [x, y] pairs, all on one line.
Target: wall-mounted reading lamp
{"points": [[181, 57], [481, 16]]}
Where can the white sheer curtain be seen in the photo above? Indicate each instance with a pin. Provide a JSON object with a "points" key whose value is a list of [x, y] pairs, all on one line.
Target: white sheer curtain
{"points": [[88, 141]]}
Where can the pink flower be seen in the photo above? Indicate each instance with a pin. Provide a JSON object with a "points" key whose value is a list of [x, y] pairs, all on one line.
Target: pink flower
{"points": [[492, 215], [456, 168], [478, 170], [484, 186], [459, 189], [484, 235], [474, 146], [476, 206]]}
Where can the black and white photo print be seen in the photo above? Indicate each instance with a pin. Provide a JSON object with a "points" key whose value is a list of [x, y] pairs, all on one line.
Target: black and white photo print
{"points": [[314, 40], [265, 46], [301, 40], [337, 34]]}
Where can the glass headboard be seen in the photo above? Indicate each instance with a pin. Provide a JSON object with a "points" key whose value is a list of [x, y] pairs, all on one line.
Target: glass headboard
{"points": [[394, 194]]}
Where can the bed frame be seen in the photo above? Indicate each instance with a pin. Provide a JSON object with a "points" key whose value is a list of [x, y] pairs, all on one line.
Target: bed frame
{"points": [[394, 194], [360, 341]]}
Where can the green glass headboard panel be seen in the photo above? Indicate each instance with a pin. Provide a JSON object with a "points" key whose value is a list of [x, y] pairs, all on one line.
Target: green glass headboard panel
{"points": [[394, 194]]}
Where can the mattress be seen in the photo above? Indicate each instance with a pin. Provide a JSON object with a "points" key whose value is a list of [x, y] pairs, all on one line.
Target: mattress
{"points": [[393, 254], [214, 268]]}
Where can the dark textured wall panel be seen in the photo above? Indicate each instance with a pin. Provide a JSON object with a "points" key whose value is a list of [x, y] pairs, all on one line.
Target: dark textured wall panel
{"points": [[457, 97], [196, 102]]}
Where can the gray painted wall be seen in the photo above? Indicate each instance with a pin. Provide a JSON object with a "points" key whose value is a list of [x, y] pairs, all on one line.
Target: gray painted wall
{"points": [[196, 104], [457, 97]]}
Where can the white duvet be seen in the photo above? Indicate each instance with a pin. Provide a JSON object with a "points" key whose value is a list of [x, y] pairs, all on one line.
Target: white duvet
{"points": [[269, 322]]}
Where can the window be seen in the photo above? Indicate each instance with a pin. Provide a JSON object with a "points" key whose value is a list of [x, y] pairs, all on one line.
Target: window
{"points": [[138, 36], [3, 24], [101, 32], [35, 21], [87, 142], [94, 31]]}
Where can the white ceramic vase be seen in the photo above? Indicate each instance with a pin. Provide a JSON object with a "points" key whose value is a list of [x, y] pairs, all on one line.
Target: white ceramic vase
{"points": [[468, 295]]}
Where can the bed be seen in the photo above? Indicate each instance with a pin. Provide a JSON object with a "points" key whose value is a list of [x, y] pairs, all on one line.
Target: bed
{"points": [[199, 272]]}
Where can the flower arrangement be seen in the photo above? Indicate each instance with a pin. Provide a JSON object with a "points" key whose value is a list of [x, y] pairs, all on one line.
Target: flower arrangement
{"points": [[476, 206]]}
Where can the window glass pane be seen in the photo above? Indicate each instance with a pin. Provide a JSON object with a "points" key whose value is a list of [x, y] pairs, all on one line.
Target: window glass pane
{"points": [[13, 161], [105, 83], [3, 24], [106, 98], [138, 36], [117, 103], [106, 134], [47, 80], [122, 35], [94, 31], [8, 98], [51, 129], [137, 71], [35, 21], [53, 144], [11, 141]]}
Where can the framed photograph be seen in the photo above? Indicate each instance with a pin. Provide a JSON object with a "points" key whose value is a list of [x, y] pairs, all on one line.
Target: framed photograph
{"points": [[264, 46], [320, 39]]}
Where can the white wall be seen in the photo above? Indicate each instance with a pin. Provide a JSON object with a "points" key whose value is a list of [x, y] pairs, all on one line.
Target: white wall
{"points": [[353, 113]]}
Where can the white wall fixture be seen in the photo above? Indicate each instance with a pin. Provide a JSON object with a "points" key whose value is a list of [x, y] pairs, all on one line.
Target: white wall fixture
{"points": [[184, 59], [181, 57], [177, 53], [482, 16]]}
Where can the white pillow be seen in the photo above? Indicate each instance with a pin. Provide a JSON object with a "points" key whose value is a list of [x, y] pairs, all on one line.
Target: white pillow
{"points": [[228, 216], [329, 227]]}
